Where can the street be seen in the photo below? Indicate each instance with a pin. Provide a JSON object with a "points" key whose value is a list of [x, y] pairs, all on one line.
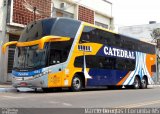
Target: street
{"points": [[90, 98]]}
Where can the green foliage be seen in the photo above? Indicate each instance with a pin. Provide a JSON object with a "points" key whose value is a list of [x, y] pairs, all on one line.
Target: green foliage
{"points": [[156, 33]]}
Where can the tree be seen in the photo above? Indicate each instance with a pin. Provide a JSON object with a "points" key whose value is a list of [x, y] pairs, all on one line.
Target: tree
{"points": [[156, 37], [155, 34]]}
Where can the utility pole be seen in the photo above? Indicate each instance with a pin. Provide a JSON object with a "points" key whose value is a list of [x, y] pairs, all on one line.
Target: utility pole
{"points": [[156, 36], [3, 76], [157, 52]]}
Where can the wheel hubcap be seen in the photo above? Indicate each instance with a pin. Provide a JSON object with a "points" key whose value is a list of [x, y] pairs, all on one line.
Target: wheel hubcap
{"points": [[143, 82], [76, 83], [136, 83]]}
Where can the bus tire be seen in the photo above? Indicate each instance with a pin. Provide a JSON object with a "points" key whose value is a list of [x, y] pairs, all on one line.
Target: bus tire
{"points": [[144, 83], [76, 83], [137, 83]]}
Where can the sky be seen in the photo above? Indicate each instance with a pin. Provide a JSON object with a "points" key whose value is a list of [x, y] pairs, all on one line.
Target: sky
{"points": [[135, 12]]}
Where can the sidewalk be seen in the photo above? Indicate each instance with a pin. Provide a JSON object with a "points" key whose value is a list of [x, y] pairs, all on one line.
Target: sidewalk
{"points": [[7, 87]]}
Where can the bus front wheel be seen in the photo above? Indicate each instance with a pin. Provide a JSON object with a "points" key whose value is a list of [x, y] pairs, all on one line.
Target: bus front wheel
{"points": [[76, 83]]}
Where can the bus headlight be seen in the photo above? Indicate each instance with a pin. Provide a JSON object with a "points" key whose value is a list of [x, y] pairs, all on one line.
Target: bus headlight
{"points": [[38, 75], [41, 74], [44, 73]]}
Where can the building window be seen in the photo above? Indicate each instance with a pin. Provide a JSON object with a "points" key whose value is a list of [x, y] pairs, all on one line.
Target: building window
{"points": [[61, 13], [101, 24]]}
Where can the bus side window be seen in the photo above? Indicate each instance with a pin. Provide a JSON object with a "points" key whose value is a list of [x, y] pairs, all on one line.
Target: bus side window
{"points": [[153, 68], [109, 63]]}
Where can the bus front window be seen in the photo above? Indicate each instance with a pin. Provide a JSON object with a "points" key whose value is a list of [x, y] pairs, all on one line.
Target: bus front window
{"points": [[59, 52], [28, 58]]}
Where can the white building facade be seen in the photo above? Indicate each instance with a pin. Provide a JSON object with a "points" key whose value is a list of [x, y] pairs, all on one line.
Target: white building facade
{"points": [[98, 12], [141, 32]]}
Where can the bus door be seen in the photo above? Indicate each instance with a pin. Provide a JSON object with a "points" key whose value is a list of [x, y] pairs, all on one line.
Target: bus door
{"points": [[55, 60]]}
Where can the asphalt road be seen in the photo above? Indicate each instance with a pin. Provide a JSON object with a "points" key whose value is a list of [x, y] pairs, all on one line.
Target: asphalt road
{"points": [[92, 98]]}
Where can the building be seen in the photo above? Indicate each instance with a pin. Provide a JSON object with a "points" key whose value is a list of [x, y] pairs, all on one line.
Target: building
{"points": [[142, 32], [85, 10], [17, 13]]}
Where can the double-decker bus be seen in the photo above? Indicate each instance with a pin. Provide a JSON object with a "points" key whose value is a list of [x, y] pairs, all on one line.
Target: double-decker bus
{"points": [[62, 52]]}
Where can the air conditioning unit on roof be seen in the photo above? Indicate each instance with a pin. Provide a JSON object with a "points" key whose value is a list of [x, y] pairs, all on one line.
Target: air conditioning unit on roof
{"points": [[63, 5]]}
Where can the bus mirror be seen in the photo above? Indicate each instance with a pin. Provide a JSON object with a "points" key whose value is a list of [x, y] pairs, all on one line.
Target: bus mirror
{"points": [[8, 44], [52, 39]]}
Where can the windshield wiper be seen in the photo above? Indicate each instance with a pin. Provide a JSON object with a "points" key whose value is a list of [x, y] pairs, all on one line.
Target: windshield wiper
{"points": [[29, 67], [16, 68]]}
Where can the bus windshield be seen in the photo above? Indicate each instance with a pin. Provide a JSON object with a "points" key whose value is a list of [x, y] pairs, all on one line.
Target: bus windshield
{"points": [[29, 58]]}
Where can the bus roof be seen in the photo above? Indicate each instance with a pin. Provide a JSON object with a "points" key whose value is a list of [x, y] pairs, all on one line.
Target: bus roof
{"points": [[88, 24], [95, 26]]}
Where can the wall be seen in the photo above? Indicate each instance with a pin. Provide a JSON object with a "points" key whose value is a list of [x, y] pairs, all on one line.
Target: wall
{"points": [[105, 7], [102, 19], [1, 14], [68, 6], [89, 11], [23, 13], [85, 14]]}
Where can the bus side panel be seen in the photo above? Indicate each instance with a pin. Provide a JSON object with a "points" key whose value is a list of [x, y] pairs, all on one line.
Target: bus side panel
{"points": [[105, 77], [143, 66], [150, 61], [55, 79], [76, 53]]}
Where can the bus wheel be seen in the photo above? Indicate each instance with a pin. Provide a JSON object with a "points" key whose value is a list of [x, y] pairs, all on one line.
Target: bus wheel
{"points": [[76, 83], [137, 83], [144, 83]]}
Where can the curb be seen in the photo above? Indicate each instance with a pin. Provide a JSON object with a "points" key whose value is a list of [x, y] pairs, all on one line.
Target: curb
{"points": [[151, 86], [8, 90], [15, 89]]}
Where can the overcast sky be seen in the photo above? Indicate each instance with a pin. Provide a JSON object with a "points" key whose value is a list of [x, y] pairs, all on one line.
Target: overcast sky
{"points": [[135, 12]]}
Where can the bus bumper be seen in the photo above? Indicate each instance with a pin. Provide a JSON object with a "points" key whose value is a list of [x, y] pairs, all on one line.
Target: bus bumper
{"points": [[29, 82]]}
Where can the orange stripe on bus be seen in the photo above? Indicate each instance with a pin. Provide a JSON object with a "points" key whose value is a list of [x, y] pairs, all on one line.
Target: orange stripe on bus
{"points": [[150, 60], [121, 82]]}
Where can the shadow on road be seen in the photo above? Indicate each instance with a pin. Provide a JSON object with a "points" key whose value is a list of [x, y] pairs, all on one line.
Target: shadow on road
{"points": [[67, 90]]}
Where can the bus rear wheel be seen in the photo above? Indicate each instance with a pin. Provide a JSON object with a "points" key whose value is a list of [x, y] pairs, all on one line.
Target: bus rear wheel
{"points": [[137, 83], [76, 83], [144, 83]]}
